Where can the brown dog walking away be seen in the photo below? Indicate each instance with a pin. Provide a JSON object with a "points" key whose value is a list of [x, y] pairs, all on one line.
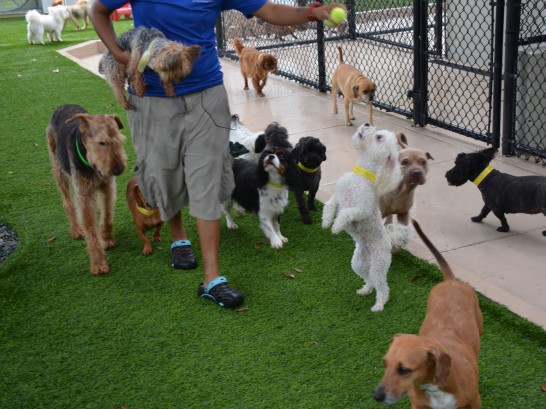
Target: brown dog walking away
{"points": [[354, 86], [86, 153], [145, 216], [254, 64], [439, 367]]}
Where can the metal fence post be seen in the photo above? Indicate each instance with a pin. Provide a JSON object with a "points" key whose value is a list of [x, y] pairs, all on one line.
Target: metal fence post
{"points": [[220, 46], [497, 73], [513, 17], [351, 13], [419, 93], [321, 57]]}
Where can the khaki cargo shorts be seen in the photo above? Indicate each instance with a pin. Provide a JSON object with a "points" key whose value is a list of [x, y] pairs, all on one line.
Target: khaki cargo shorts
{"points": [[182, 150]]}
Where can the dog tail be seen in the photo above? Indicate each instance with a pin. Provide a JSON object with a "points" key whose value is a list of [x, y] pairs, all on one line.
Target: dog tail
{"points": [[32, 16], [446, 270], [238, 44], [340, 54]]}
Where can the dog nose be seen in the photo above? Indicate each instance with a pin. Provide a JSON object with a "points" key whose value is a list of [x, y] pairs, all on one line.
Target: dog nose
{"points": [[379, 394]]}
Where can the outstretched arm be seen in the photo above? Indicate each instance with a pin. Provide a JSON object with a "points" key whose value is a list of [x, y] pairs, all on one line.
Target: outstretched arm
{"points": [[285, 15], [100, 17]]}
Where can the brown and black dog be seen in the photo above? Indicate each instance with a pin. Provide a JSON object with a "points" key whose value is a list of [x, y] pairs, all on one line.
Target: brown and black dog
{"points": [[354, 86], [255, 64], [86, 153], [145, 216], [439, 367]]}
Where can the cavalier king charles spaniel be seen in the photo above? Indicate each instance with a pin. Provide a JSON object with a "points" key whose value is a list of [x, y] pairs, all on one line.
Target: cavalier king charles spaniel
{"points": [[262, 189]]}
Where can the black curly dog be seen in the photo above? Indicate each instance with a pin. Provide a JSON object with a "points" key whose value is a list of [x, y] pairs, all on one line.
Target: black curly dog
{"points": [[309, 153], [502, 193]]}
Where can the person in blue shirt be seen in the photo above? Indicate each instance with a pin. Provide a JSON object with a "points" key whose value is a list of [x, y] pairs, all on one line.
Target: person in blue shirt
{"points": [[182, 142]]}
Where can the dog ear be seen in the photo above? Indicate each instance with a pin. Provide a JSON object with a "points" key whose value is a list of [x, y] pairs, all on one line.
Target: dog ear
{"points": [[259, 143], [442, 365], [84, 118], [355, 91], [118, 121], [291, 174], [402, 140]]}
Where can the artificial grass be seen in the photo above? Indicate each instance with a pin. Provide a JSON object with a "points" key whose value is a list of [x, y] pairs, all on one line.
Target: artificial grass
{"points": [[140, 337]]}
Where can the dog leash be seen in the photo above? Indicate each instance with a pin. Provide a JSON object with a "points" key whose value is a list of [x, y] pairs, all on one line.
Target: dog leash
{"points": [[365, 173], [483, 175]]}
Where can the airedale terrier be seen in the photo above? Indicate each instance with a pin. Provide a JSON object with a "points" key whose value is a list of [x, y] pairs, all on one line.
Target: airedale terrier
{"points": [[86, 151]]}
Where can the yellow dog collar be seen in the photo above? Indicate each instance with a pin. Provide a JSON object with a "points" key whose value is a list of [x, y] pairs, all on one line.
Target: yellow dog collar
{"points": [[483, 175], [365, 173], [276, 185], [307, 170], [146, 212]]}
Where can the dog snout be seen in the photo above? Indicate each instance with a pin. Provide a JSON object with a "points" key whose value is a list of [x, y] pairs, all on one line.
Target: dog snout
{"points": [[379, 394]]}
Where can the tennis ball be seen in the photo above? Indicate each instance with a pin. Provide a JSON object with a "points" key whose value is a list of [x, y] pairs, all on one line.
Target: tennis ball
{"points": [[338, 15]]}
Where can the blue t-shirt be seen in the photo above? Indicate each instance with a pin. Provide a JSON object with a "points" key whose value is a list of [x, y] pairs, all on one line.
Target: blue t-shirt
{"points": [[189, 22]]}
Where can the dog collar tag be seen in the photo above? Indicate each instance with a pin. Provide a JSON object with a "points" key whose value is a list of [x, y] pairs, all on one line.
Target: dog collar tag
{"points": [[483, 175], [365, 173], [307, 170]]}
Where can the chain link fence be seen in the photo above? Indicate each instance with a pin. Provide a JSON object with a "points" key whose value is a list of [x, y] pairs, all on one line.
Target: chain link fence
{"points": [[16, 7], [440, 63]]}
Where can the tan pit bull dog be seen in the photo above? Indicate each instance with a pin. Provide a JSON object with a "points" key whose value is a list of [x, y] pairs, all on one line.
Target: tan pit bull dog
{"points": [[414, 165], [354, 86], [439, 367]]}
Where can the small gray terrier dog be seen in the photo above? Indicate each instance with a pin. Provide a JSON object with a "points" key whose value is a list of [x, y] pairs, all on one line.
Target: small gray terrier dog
{"points": [[502, 193]]}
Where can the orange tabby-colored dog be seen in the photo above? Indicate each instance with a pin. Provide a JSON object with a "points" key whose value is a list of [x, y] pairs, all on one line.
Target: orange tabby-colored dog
{"points": [[255, 64]]}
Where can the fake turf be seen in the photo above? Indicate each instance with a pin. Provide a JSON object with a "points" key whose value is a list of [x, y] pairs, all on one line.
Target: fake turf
{"points": [[139, 337]]}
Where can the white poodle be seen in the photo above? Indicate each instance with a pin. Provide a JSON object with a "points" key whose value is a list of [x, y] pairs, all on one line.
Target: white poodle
{"points": [[354, 207]]}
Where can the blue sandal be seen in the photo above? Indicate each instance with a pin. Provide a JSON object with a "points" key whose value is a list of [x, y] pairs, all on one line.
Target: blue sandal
{"points": [[182, 255], [221, 293]]}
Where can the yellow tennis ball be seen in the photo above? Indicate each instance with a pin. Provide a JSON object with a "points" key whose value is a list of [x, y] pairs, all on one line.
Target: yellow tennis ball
{"points": [[338, 15]]}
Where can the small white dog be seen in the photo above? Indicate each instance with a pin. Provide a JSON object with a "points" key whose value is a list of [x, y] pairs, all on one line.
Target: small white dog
{"points": [[354, 207], [52, 24]]}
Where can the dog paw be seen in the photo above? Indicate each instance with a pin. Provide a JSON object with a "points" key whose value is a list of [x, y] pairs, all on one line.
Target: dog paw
{"points": [[147, 250], [365, 290], [476, 219], [99, 269], [284, 239], [110, 244], [377, 307], [349, 123], [503, 229], [276, 244], [77, 234], [337, 227], [232, 225]]}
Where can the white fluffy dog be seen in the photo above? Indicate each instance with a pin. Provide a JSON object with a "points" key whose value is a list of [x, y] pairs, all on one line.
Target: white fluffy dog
{"points": [[354, 207], [51, 23]]}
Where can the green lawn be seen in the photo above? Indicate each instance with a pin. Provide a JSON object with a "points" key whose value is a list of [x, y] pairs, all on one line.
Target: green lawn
{"points": [[140, 337]]}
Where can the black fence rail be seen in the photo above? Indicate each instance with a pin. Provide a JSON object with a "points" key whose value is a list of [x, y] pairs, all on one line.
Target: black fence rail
{"points": [[440, 63]]}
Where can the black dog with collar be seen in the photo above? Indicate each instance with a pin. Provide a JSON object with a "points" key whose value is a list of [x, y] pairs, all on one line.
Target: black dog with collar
{"points": [[502, 193]]}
